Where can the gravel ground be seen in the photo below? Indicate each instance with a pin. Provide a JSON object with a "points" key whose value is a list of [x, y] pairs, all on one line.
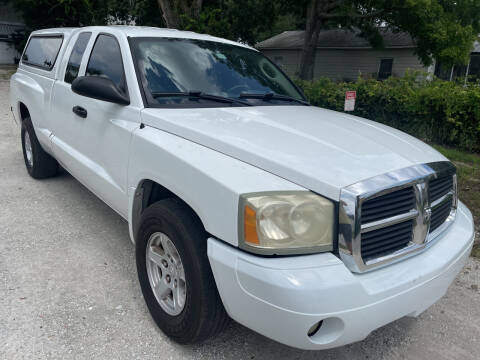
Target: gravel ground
{"points": [[69, 290]]}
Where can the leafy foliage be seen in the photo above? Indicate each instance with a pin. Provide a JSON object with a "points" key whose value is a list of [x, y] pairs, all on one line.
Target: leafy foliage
{"points": [[41, 14], [438, 111], [142, 12], [235, 20]]}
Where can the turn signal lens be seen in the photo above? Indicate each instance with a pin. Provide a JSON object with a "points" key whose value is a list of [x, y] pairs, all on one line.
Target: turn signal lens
{"points": [[250, 225]]}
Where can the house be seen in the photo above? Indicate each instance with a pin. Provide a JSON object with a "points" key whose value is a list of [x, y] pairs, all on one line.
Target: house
{"points": [[343, 55], [10, 23]]}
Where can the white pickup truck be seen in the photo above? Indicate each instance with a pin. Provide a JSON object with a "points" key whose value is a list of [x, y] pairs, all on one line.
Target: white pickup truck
{"points": [[309, 226]]}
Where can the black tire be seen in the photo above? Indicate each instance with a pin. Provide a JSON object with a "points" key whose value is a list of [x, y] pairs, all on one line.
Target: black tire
{"points": [[42, 165], [203, 314]]}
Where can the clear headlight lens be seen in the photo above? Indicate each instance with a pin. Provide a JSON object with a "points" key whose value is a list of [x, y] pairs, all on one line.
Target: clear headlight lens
{"points": [[286, 223]]}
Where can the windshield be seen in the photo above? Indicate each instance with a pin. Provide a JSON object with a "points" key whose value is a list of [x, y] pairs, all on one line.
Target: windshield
{"points": [[169, 66]]}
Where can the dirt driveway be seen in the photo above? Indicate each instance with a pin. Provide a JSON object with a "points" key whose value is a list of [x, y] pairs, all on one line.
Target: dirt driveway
{"points": [[69, 290]]}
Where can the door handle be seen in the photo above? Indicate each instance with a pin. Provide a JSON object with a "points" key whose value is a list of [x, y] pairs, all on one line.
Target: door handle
{"points": [[80, 111]]}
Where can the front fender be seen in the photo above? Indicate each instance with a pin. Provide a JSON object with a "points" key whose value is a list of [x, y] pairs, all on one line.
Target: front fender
{"points": [[207, 180]]}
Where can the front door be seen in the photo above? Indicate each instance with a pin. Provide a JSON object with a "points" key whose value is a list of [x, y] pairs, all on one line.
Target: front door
{"points": [[93, 143]]}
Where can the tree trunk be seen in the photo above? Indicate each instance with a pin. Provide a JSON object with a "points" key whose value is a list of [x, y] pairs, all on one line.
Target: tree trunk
{"points": [[169, 13], [196, 7], [173, 9], [312, 31]]}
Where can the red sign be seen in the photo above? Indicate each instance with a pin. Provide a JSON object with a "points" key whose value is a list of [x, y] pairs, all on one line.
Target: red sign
{"points": [[350, 97]]}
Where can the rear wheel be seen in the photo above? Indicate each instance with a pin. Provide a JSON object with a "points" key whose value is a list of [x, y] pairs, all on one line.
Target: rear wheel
{"points": [[175, 276], [39, 163]]}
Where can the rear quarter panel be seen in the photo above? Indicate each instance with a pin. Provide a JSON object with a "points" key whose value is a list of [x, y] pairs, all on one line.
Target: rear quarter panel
{"points": [[33, 86], [34, 92]]}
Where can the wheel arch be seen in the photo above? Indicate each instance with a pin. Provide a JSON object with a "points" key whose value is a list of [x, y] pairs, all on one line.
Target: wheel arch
{"points": [[23, 111], [146, 193]]}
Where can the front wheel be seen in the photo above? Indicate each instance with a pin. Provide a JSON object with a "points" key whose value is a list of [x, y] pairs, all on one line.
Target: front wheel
{"points": [[175, 276]]}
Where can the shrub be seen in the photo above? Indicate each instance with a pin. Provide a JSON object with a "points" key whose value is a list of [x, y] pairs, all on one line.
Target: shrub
{"points": [[437, 111]]}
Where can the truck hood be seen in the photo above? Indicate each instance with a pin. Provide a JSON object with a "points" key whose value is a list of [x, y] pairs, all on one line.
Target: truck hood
{"points": [[319, 149]]}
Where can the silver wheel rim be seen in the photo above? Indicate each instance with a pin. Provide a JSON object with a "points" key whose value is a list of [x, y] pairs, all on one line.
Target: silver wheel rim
{"points": [[28, 149], [166, 273]]}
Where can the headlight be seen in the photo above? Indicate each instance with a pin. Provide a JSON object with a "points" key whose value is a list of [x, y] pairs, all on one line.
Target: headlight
{"points": [[286, 223]]}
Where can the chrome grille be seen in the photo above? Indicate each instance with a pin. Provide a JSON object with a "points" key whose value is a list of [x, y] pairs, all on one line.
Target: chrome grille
{"points": [[386, 240], [439, 215], [391, 216], [439, 187], [441, 190], [394, 203], [386, 223]]}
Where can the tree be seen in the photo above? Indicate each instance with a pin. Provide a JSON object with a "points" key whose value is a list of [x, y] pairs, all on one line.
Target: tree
{"points": [[40, 14], [237, 20], [172, 10], [138, 12], [442, 29], [248, 18]]}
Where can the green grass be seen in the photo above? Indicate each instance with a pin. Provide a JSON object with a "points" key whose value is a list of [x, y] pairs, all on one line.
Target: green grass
{"points": [[476, 251], [468, 175]]}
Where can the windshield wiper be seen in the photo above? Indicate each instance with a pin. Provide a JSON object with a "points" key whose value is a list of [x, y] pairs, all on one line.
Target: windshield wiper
{"points": [[201, 95], [271, 95]]}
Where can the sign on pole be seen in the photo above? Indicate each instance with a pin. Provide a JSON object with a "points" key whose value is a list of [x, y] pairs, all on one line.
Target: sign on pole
{"points": [[350, 97]]}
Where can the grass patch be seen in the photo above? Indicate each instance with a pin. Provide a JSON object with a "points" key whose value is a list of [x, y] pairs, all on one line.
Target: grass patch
{"points": [[468, 175], [476, 251]]}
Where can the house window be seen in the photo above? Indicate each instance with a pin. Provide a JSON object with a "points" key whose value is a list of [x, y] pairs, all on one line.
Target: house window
{"points": [[474, 68], [450, 73], [443, 72], [385, 69]]}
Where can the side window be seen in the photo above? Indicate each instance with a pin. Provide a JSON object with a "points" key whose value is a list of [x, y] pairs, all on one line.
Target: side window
{"points": [[76, 57], [42, 51], [106, 60]]}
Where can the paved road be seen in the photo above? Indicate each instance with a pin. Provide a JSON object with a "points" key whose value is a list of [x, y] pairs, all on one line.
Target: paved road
{"points": [[68, 286]]}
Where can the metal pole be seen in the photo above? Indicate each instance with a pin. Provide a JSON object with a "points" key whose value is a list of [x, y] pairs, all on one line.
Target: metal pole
{"points": [[468, 69]]}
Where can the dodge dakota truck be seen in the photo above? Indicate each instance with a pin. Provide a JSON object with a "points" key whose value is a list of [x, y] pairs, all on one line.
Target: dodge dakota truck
{"points": [[309, 226]]}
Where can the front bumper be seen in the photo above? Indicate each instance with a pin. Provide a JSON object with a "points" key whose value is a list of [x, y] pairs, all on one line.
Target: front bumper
{"points": [[282, 298]]}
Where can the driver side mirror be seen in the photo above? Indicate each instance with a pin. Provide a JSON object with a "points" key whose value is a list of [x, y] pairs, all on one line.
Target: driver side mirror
{"points": [[99, 88]]}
